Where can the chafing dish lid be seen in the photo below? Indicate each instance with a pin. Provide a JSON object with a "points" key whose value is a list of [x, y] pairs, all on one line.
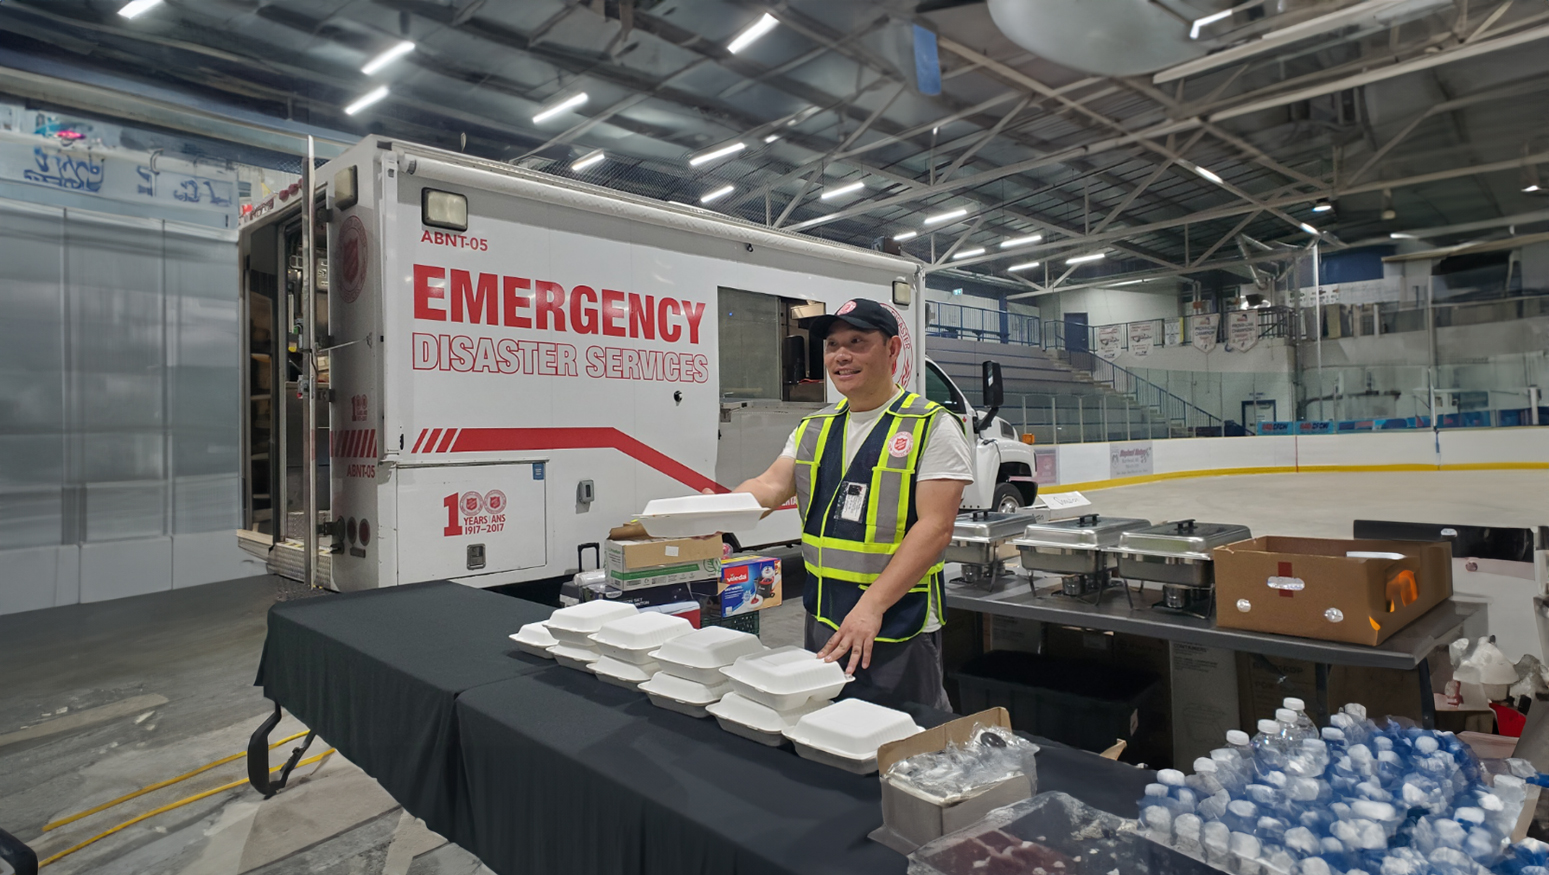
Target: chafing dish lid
{"points": [[988, 526], [1183, 537], [1089, 532]]}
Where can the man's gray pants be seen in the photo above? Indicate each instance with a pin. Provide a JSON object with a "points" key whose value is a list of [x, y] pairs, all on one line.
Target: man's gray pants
{"points": [[909, 670]]}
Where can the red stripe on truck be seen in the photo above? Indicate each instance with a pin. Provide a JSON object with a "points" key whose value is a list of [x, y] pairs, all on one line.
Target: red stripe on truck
{"points": [[494, 440], [446, 440]]}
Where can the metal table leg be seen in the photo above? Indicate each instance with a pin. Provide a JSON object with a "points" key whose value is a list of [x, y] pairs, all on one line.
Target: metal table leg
{"points": [[1427, 698], [258, 757]]}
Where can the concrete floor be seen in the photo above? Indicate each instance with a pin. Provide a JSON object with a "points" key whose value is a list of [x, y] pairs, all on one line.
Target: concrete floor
{"points": [[101, 700]]}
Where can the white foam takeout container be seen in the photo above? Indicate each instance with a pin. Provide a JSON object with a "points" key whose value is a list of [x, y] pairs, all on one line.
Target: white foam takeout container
{"points": [[699, 656], [576, 624], [534, 638], [847, 733], [692, 516], [681, 695], [628, 675], [578, 658], [744, 717], [786, 678], [632, 638]]}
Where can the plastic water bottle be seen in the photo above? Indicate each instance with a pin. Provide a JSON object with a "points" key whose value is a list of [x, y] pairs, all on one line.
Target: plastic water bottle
{"points": [[1217, 839], [1268, 748], [1238, 741], [1156, 813], [1245, 852], [1204, 780], [1290, 730], [1304, 722]]}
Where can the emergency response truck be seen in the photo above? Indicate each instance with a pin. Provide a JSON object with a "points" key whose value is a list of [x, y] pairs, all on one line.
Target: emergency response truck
{"points": [[504, 364]]}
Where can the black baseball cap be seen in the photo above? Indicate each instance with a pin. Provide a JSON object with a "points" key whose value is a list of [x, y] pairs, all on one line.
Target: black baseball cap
{"points": [[862, 313]]}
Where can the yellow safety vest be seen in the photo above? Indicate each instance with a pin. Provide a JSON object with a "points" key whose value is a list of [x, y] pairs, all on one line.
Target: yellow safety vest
{"points": [[854, 518]]}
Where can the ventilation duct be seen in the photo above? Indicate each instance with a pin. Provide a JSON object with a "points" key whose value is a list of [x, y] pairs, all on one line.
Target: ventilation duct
{"points": [[1107, 37]]}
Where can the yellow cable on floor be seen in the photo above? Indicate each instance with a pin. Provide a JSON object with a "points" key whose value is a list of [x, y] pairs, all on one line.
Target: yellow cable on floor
{"points": [[165, 808], [158, 785]]}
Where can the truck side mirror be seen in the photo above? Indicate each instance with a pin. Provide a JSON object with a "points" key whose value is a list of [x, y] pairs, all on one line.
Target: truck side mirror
{"points": [[795, 358], [994, 391]]}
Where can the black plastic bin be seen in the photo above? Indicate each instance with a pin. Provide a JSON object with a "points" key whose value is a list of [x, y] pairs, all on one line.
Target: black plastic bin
{"points": [[1082, 704]]}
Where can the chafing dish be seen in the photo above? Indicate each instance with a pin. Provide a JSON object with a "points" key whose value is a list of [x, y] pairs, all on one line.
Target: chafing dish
{"points": [[980, 542], [1178, 555], [1075, 546]]}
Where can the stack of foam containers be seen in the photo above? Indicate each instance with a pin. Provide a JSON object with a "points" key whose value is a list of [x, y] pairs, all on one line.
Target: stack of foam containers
{"points": [[771, 691], [573, 628], [688, 677], [1350, 799], [627, 647]]}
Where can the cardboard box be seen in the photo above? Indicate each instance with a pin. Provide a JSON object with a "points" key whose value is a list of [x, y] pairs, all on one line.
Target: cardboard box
{"points": [[1204, 699], [665, 575], [1308, 587], [748, 584], [635, 554], [910, 819]]}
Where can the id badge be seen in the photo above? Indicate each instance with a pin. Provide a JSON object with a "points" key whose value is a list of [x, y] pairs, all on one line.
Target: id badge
{"points": [[852, 502]]}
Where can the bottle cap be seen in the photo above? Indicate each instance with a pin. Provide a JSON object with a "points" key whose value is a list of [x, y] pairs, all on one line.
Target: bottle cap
{"points": [[1170, 777], [1156, 790], [1207, 766], [1332, 733], [1285, 715], [1295, 704], [1269, 727], [1237, 738]]}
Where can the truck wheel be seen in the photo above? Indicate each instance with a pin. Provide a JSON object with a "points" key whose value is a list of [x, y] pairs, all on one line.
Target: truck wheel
{"points": [[1007, 498]]}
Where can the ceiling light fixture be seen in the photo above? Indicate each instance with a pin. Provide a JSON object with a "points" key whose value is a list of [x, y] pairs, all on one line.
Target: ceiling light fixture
{"points": [[842, 190], [720, 152], [366, 100], [387, 57], [1023, 266], [588, 160], [1083, 259], [1129, 282], [752, 33], [907, 235], [1021, 241], [570, 102], [948, 216], [771, 138], [719, 193], [1322, 208], [1208, 175], [1310, 230], [1530, 189], [137, 7], [969, 253], [1400, 235], [1200, 23]]}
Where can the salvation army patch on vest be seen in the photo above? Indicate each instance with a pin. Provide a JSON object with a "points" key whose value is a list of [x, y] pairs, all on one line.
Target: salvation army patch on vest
{"points": [[900, 445]]}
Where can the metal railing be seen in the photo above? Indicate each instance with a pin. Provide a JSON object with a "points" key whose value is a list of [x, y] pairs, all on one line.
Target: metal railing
{"points": [[979, 323]]}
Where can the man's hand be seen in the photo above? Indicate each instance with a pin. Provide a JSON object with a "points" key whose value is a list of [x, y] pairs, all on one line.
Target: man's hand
{"points": [[855, 637]]}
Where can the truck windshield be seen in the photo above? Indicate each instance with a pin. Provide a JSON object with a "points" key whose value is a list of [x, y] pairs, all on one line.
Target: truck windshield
{"points": [[940, 390]]}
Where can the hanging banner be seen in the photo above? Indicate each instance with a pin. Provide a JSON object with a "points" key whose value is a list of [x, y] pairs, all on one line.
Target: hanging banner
{"points": [[120, 175], [1172, 333], [1242, 330], [1142, 336], [1203, 330], [1109, 342]]}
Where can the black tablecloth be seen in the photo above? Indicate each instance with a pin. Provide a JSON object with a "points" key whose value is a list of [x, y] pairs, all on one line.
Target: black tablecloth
{"points": [[569, 776], [377, 673]]}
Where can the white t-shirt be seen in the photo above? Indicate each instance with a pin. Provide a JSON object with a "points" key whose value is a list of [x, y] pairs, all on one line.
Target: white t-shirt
{"points": [[946, 456]]}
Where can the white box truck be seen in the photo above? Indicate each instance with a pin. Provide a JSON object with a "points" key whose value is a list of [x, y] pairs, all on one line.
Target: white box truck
{"points": [[513, 363]]}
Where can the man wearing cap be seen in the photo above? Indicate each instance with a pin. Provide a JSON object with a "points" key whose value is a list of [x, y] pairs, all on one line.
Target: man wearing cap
{"points": [[877, 479]]}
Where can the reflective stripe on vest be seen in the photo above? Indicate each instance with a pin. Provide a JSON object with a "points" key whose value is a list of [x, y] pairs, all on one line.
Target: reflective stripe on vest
{"points": [[845, 556]]}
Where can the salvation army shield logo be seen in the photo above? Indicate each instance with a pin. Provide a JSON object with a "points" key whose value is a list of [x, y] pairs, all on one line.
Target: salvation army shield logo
{"points": [[900, 445], [495, 500], [903, 371], [847, 307], [471, 503], [350, 259]]}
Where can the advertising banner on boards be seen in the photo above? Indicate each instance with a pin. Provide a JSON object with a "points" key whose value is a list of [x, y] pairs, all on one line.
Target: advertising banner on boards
{"points": [[1142, 336]]}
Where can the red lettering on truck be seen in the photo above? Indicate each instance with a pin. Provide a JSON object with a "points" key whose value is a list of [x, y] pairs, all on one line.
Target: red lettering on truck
{"points": [[424, 291], [480, 301]]}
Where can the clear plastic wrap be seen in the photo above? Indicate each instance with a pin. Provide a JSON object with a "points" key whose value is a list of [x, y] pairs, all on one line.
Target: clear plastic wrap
{"points": [[991, 754]]}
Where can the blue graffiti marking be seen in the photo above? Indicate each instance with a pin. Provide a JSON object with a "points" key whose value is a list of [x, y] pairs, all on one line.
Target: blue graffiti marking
{"points": [[65, 171]]}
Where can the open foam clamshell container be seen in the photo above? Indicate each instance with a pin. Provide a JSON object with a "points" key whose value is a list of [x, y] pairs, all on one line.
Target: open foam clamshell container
{"points": [[576, 624], [632, 638], [699, 656], [1311, 588], [628, 675], [534, 639], [683, 696], [848, 733], [911, 818], [748, 719], [786, 678]]}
